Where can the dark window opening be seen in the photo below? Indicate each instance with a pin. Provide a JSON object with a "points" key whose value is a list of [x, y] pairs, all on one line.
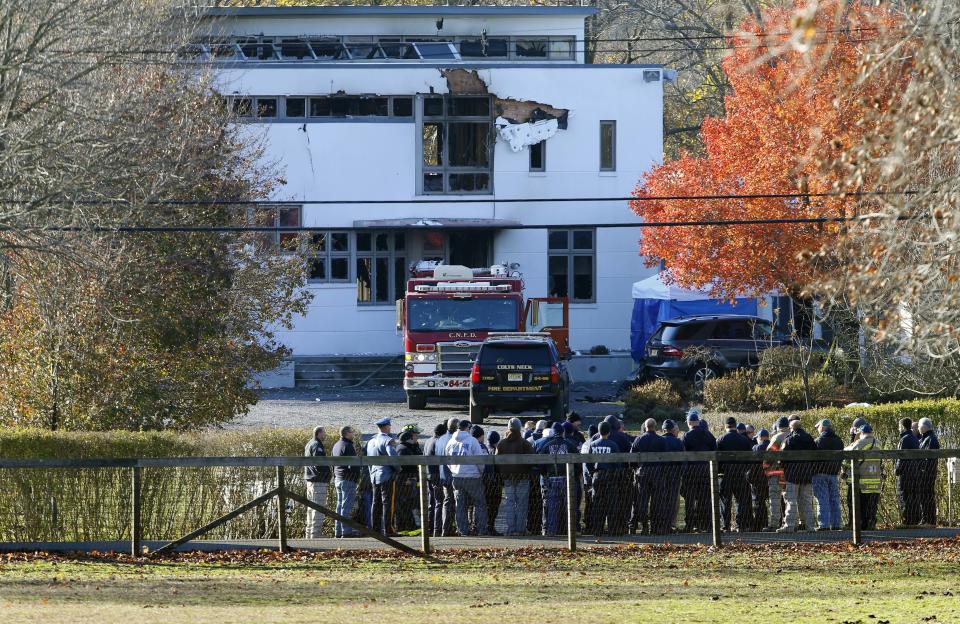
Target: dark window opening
{"points": [[266, 107], [572, 264], [296, 107], [374, 107], [468, 107], [403, 107], [608, 146], [538, 160]]}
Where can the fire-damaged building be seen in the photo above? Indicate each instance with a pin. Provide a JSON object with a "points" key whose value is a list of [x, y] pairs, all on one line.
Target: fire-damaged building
{"points": [[445, 119]]}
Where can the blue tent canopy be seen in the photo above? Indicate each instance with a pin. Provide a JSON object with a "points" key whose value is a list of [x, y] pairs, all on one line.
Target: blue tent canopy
{"points": [[654, 301]]}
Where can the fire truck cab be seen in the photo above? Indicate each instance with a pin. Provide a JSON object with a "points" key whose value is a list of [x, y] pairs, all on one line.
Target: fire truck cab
{"points": [[449, 310]]}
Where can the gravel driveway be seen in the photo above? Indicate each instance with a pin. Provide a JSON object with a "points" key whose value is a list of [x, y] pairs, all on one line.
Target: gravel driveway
{"points": [[362, 407]]}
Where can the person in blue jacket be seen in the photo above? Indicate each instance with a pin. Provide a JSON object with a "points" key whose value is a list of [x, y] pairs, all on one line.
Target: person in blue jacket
{"points": [[647, 478], [666, 506], [696, 480], [382, 477], [603, 481], [553, 479]]}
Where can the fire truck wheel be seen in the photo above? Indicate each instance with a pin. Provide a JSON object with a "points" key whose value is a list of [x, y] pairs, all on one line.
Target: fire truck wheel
{"points": [[416, 401], [477, 414]]}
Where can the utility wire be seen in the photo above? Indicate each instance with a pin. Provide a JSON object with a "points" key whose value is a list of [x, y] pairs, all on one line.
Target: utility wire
{"points": [[452, 200], [126, 229]]}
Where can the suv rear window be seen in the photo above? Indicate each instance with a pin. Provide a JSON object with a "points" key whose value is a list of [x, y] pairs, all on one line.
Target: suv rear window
{"points": [[687, 331], [733, 330], [538, 355]]}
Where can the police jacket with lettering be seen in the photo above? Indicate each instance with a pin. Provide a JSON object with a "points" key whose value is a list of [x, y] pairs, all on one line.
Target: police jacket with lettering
{"points": [[601, 447], [555, 445]]}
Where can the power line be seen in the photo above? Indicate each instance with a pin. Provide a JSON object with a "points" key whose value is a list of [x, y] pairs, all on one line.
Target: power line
{"points": [[131, 229], [453, 200]]}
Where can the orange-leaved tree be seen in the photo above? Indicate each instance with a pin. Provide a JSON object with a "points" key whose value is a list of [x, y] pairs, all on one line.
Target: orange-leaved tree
{"points": [[797, 103]]}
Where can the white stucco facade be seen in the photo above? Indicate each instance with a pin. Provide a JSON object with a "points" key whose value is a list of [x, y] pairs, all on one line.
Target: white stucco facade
{"points": [[341, 159]]}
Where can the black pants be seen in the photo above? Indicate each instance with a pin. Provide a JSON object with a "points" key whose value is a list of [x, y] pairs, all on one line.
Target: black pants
{"points": [[604, 489], [927, 497], [868, 511], [535, 507], [734, 486], [493, 493], [646, 496], [665, 505], [696, 486], [907, 496], [407, 501], [383, 506], [622, 498], [759, 495]]}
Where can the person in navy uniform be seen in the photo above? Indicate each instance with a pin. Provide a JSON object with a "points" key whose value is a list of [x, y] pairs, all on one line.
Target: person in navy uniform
{"points": [[734, 484], [696, 479], [759, 487], [383, 477], [666, 506], [648, 478], [553, 479], [603, 480], [907, 472], [926, 495]]}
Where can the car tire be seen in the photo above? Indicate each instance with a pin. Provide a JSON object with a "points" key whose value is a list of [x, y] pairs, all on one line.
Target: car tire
{"points": [[477, 413], [702, 372], [416, 400], [558, 411]]}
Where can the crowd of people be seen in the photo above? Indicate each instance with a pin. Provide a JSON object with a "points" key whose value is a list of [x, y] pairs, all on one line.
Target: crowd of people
{"points": [[616, 497]]}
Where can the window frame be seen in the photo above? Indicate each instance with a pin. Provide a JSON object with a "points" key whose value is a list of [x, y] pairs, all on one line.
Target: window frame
{"points": [[569, 253], [611, 123], [391, 254], [444, 168], [328, 255], [542, 167]]}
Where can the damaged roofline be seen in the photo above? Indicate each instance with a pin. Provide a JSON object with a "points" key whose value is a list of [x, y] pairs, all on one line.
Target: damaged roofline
{"points": [[301, 11], [429, 64]]}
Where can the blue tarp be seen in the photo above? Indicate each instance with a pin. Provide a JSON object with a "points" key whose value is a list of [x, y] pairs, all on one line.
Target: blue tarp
{"points": [[648, 313]]}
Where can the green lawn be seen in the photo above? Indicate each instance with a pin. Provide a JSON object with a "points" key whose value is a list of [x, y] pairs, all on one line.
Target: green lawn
{"points": [[661, 584]]}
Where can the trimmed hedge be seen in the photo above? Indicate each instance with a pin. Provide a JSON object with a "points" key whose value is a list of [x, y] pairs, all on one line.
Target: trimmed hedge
{"points": [[94, 504]]}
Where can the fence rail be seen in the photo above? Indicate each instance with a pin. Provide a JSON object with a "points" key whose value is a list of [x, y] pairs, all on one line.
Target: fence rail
{"points": [[126, 491], [495, 460]]}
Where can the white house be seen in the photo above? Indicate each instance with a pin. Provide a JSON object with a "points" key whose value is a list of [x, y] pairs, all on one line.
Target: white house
{"points": [[440, 105]]}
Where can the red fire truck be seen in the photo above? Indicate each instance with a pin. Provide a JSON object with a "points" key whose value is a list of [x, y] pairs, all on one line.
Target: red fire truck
{"points": [[448, 311]]}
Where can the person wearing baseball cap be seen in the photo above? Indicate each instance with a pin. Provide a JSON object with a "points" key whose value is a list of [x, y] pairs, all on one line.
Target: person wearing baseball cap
{"points": [[759, 487], [553, 480], [696, 479], [869, 471], [383, 477], [666, 508], [734, 483]]}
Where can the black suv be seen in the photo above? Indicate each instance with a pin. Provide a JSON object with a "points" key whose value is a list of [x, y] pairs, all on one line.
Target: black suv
{"points": [[517, 372], [700, 348]]}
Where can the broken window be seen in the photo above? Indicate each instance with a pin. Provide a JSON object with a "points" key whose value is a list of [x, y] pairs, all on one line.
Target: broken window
{"points": [[538, 156], [266, 107], [242, 107], [531, 48], [320, 107], [436, 51], [296, 107], [294, 49], [608, 146], [329, 257], [374, 107], [381, 267], [403, 107], [572, 264], [457, 144], [328, 49]]}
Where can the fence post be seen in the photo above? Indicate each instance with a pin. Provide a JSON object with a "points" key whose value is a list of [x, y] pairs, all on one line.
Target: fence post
{"points": [[715, 503], [425, 527], [281, 511], [135, 529], [571, 508], [855, 503]]}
